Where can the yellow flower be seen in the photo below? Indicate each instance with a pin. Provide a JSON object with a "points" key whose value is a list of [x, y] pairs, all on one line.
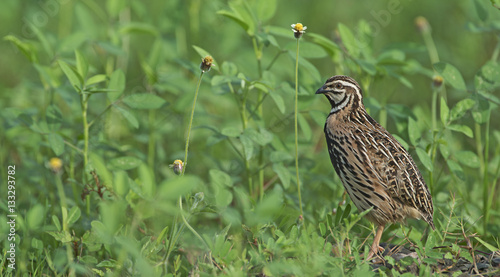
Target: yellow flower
{"points": [[298, 30], [206, 63], [178, 166], [55, 164]]}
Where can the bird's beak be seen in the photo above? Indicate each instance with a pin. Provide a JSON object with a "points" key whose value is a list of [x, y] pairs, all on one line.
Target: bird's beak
{"points": [[321, 90]]}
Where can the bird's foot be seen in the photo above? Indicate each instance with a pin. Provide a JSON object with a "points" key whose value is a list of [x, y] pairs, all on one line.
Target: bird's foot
{"points": [[375, 251]]}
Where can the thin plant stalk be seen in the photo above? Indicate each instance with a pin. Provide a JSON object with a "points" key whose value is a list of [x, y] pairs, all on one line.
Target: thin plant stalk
{"points": [[176, 231], [258, 55], [296, 126], [85, 101], [186, 223], [191, 123], [152, 138], [435, 93], [486, 189], [64, 212]]}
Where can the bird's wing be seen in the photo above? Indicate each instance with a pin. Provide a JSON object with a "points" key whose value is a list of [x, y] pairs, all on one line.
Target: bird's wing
{"points": [[393, 167]]}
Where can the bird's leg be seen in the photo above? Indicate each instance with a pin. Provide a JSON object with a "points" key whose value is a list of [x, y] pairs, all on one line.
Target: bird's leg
{"points": [[376, 241]]}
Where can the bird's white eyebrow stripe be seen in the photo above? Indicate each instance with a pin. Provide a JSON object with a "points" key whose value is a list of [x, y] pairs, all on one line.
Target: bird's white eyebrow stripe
{"points": [[344, 83]]}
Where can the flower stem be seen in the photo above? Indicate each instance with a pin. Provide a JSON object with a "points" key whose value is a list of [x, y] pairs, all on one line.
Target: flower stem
{"points": [[296, 126], [85, 100], [64, 212], [186, 223], [191, 122]]}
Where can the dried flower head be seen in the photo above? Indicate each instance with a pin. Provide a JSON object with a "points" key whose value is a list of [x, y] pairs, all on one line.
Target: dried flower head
{"points": [[178, 166], [422, 24], [55, 164], [206, 63], [298, 29], [437, 81]]}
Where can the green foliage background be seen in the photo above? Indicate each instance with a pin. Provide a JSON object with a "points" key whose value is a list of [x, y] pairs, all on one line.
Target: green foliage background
{"points": [[107, 87]]}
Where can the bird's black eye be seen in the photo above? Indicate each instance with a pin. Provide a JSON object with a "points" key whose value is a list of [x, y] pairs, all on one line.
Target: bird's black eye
{"points": [[339, 86]]}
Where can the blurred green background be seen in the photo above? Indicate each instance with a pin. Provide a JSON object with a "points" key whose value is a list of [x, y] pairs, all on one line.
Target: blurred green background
{"points": [[242, 138]]}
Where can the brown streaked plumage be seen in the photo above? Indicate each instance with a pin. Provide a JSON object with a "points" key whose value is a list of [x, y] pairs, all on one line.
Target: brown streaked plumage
{"points": [[375, 169]]}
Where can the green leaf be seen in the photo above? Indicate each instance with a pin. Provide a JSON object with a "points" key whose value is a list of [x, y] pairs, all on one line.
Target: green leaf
{"points": [[304, 126], [309, 68], [261, 137], [116, 83], [26, 48], [220, 178], [444, 112], [124, 163], [73, 77], [280, 156], [82, 65], [35, 216], [96, 79], [462, 129], [346, 212], [235, 17], [431, 242], [280, 31], [42, 38], [36, 243], [171, 189], [322, 229], [99, 90], [229, 69], [461, 108], [283, 174], [268, 208], [413, 131], [121, 183], [56, 222], [349, 41], [47, 76], [318, 117], [371, 69], [128, 116], [401, 141], [481, 110], [467, 158], [266, 9], [62, 236], [247, 146], [74, 215], [56, 142], [231, 132], [218, 80], [451, 75], [114, 7], [147, 180], [146, 101], [487, 245], [278, 100], [107, 264], [481, 11], [425, 159], [97, 162], [223, 197], [488, 77], [322, 41], [139, 28]]}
